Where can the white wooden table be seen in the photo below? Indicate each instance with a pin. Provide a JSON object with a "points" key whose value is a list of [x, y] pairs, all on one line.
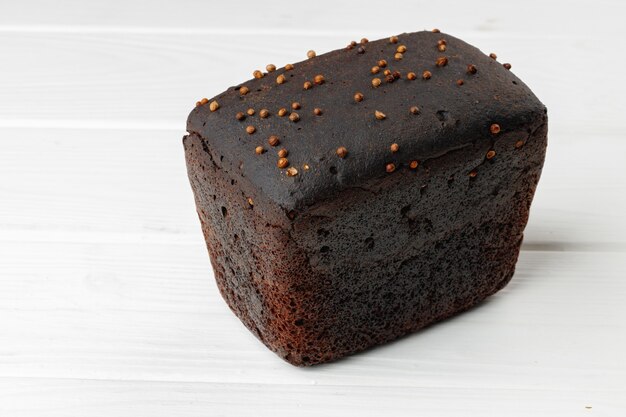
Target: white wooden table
{"points": [[107, 301]]}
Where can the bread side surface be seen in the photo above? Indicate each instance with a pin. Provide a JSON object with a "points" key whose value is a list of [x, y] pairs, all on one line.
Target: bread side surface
{"points": [[251, 250], [396, 255], [380, 260]]}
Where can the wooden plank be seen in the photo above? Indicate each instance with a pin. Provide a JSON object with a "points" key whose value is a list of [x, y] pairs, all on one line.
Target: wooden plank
{"points": [[152, 80], [69, 398], [152, 312], [535, 19], [89, 185]]}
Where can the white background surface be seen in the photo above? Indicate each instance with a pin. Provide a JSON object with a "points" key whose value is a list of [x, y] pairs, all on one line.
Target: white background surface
{"points": [[107, 301]]}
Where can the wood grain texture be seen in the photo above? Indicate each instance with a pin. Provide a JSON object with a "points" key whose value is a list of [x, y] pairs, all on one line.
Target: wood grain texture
{"points": [[532, 19], [108, 185], [107, 301], [150, 314], [152, 80], [68, 398]]}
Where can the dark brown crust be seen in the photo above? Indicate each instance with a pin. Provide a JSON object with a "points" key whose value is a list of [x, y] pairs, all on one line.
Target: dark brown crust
{"points": [[322, 265], [450, 115]]}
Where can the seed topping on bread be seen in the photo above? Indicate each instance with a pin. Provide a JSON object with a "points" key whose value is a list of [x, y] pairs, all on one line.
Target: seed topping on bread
{"points": [[391, 66]]}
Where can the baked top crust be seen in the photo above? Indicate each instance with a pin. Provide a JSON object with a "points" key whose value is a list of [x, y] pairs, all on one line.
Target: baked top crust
{"points": [[338, 129]]}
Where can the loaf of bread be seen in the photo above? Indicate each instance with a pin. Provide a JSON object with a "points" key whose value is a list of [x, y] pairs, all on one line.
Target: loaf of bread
{"points": [[360, 195]]}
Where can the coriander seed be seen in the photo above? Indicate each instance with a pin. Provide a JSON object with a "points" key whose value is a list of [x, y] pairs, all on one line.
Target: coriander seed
{"points": [[273, 140], [442, 61], [282, 163]]}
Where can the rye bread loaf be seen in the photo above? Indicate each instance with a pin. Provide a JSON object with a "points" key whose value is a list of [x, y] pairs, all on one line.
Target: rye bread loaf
{"points": [[341, 212]]}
